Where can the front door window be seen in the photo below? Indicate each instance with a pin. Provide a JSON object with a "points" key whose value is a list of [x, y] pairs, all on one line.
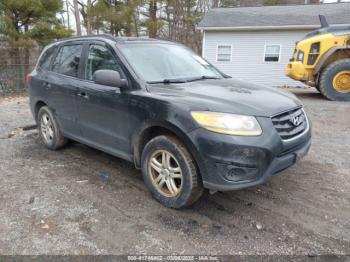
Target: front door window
{"points": [[100, 58]]}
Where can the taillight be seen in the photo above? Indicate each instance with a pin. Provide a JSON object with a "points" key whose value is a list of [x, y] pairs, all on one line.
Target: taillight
{"points": [[27, 79]]}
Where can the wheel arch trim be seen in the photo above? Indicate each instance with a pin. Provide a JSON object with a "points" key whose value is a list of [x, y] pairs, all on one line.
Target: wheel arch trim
{"points": [[139, 136], [36, 108], [327, 55]]}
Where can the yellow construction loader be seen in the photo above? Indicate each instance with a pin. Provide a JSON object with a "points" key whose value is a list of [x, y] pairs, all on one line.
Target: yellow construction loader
{"points": [[322, 60]]}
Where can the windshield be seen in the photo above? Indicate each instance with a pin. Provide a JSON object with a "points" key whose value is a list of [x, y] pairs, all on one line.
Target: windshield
{"points": [[167, 63]]}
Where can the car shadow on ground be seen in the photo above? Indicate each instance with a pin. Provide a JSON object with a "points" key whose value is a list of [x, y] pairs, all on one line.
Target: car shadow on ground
{"points": [[87, 164]]}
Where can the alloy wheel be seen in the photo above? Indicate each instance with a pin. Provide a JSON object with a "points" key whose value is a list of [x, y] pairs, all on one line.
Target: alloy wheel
{"points": [[165, 173], [46, 128]]}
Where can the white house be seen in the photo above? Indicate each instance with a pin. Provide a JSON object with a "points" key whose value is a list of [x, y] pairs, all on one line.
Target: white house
{"points": [[256, 43]]}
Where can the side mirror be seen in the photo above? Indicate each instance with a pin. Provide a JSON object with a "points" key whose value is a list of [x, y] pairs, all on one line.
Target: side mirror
{"points": [[109, 78]]}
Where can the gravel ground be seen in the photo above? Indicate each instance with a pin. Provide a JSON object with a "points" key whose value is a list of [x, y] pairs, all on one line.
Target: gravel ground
{"points": [[56, 202]]}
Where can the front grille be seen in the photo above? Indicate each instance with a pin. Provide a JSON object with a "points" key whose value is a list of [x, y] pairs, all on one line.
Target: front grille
{"points": [[290, 124]]}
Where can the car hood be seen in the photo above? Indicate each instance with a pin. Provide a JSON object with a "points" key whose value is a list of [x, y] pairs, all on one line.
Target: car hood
{"points": [[229, 96]]}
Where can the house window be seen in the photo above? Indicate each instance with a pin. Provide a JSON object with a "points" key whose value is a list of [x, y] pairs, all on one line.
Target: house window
{"points": [[224, 53], [272, 53]]}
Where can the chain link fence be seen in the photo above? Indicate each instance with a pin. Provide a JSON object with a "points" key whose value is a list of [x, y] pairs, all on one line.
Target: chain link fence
{"points": [[15, 64]]}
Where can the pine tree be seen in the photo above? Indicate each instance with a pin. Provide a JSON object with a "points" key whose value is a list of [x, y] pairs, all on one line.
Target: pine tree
{"points": [[26, 22]]}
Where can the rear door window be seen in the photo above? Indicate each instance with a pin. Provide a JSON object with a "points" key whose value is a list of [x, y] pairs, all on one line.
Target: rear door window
{"points": [[67, 60]]}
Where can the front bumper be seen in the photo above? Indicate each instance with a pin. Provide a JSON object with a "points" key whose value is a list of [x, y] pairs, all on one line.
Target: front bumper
{"points": [[231, 162]]}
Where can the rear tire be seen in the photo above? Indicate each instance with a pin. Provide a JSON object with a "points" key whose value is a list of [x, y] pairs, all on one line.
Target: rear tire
{"points": [[335, 81], [170, 172], [49, 131]]}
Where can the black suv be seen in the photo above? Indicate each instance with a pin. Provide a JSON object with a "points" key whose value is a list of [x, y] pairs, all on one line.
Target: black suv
{"points": [[178, 118]]}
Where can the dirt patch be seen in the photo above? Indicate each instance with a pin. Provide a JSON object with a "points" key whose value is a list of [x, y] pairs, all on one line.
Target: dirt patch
{"points": [[58, 202]]}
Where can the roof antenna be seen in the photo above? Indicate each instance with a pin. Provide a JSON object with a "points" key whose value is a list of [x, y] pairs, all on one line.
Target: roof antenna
{"points": [[323, 21]]}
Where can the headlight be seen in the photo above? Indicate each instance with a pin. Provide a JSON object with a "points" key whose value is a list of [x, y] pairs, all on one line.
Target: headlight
{"points": [[300, 57], [229, 124]]}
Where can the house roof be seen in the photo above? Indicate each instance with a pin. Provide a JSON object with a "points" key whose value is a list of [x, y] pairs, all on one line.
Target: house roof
{"points": [[274, 17]]}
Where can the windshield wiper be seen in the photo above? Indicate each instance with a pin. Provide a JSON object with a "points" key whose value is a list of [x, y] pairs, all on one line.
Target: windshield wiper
{"points": [[202, 78], [168, 81], [182, 80]]}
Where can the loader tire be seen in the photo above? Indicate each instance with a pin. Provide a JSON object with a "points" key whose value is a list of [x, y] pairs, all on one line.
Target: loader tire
{"points": [[335, 81]]}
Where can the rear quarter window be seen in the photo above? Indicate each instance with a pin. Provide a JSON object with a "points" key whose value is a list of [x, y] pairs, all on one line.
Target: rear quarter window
{"points": [[46, 58]]}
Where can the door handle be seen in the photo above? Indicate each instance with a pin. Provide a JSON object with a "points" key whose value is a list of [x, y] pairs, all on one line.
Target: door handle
{"points": [[83, 95]]}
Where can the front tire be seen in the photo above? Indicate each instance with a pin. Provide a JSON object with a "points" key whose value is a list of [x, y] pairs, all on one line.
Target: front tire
{"points": [[335, 81], [170, 172], [49, 131]]}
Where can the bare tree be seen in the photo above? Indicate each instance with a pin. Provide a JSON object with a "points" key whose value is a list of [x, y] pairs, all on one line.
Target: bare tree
{"points": [[153, 21], [85, 11], [216, 3], [88, 15], [77, 17], [68, 15]]}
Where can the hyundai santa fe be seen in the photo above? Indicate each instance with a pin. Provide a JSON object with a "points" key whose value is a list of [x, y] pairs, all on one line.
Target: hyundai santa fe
{"points": [[180, 120]]}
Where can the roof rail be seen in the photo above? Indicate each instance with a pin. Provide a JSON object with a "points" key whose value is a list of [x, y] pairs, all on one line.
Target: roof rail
{"points": [[107, 36], [110, 37]]}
